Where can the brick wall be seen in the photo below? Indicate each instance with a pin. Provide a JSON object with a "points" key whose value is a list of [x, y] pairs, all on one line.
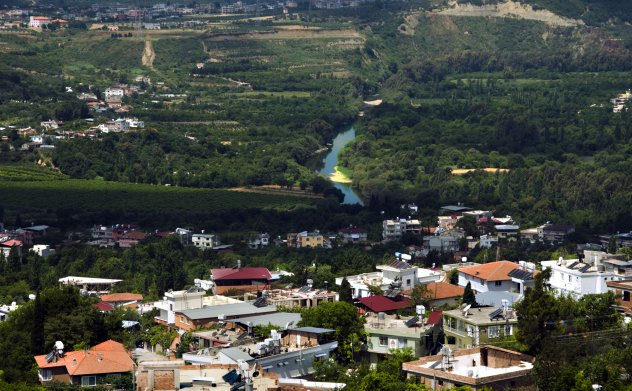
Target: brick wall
{"points": [[164, 380]]}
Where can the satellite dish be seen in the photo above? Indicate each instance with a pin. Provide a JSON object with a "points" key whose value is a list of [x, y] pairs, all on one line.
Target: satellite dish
{"points": [[467, 308], [463, 259]]}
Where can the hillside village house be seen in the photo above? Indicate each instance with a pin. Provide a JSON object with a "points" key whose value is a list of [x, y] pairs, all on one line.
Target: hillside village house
{"points": [[493, 276], [85, 367], [398, 270], [479, 368], [179, 300], [353, 235], [189, 319], [478, 326], [205, 241], [258, 241], [395, 229], [623, 289], [392, 332], [39, 21], [243, 278], [305, 239], [130, 300], [587, 275], [441, 293], [89, 285]]}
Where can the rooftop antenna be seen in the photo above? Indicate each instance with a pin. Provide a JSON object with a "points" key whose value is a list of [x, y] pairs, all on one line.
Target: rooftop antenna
{"points": [[467, 308]]}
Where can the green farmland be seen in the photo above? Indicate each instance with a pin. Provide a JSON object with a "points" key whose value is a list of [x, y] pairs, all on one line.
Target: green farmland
{"points": [[94, 195]]}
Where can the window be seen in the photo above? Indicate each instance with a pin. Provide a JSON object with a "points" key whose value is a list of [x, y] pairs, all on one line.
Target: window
{"points": [[46, 374], [569, 278], [498, 283], [493, 331], [408, 282], [507, 330], [181, 319], [626, 295], [383, 341], [88, 381]]}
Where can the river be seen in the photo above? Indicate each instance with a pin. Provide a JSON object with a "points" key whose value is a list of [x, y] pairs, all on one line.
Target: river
{"points": [[331, 160]]}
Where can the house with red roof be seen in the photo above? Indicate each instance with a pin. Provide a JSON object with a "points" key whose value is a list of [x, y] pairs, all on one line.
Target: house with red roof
{"points": [[123, 299], [243, 278], [384, 304], [443, 294], [493, 276], [11, 244], [85, 367], [104, 307]]}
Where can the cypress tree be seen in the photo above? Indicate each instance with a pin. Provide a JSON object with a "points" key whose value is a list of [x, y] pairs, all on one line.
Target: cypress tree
{"points": [[468, 295], [345, 291]]}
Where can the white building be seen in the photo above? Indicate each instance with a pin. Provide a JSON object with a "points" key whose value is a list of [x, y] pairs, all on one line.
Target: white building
{"points": [[89, 285], [6, 309], [488, 241], [43, 250], [410, 276], [394, 229], [114, 93], [493, 276], [135, 123], [259, 241], [205, 241], [178, 300], [39, 21], [49, 125], [589, 275]]}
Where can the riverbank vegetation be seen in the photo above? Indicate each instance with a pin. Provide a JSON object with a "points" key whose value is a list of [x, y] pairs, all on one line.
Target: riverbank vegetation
{"points": [[466, 92]]}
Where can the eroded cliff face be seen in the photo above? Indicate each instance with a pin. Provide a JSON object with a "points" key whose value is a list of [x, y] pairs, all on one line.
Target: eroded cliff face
{"points": [[509, 9]]}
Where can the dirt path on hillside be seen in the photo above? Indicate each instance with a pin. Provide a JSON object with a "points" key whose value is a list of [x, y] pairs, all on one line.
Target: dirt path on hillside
{"points": [[148, 54], [276, 190], [285, 34]]}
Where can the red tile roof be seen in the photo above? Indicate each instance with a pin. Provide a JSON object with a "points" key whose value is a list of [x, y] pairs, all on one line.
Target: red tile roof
{"points": [[443, 290], [434, 318], [384, 304], [244, 273], [107, 357], [493, 271], [12, 243], [104, 307], [114, 297]]}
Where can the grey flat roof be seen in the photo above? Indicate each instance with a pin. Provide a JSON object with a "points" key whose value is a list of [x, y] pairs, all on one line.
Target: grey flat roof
{"points": [[37, 228], [232, 310], [618, 262], [279, 319], [236, 354], [315, 330], [455, 208]]}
